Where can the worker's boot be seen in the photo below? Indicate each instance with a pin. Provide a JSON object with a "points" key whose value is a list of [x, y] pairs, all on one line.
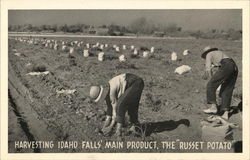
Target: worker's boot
{"points": [[213, 109]]}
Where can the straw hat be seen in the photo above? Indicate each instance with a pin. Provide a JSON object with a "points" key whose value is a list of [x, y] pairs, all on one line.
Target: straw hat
{"points": [[98, 93], [206, 50]]}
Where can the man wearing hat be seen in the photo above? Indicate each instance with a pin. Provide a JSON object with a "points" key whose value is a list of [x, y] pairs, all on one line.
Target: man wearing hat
{"points": [[122, 95], [225, 76]]}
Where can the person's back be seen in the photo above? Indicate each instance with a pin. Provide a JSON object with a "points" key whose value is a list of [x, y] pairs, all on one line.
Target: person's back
{"points": [[122, 95], [214, 58], [118, 84], [218, 55]]}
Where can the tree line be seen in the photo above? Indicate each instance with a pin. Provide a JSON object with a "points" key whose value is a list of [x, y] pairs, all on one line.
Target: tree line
{"points": [[140, 26]]}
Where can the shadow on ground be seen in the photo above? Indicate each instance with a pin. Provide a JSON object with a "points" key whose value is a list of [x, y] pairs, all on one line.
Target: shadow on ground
{"points": [[157, 127], [232, 109], [235, 109]]}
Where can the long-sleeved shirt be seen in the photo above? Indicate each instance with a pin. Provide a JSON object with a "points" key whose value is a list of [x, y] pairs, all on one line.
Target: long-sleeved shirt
{"points": [[214, 58], [117, 87]]}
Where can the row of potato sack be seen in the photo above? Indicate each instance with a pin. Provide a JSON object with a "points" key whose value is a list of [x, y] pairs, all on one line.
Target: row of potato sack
{"points": [[70, 47]]}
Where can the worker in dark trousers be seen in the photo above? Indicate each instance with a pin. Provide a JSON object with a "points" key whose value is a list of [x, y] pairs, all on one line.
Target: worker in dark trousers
{"points": [[226, 76], [122, 95]]}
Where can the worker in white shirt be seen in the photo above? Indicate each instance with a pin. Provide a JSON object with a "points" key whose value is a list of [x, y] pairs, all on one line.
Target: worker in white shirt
{"points": [[122, 95], [226, 76]]}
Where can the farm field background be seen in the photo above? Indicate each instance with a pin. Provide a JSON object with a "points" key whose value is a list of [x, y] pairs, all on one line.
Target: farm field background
{"points": [[171, 105]]}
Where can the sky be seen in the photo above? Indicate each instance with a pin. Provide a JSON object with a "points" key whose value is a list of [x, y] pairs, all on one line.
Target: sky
{"points": [[188, 19]]}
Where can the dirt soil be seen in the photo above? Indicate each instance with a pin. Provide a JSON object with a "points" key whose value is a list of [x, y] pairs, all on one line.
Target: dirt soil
{"points": [[171, 105]]}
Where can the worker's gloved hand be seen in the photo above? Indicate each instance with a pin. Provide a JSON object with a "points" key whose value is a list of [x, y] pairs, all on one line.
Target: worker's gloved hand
{"points": [[205, 75], [107, 130]]}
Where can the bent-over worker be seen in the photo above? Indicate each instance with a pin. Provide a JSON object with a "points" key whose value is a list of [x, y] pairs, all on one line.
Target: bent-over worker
{"points": [[226, 76], [122, 95]]}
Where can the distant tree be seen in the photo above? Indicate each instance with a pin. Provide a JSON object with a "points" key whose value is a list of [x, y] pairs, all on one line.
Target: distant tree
{"points": [[234, 35], [29, 27], [18, 27], [75, 28], [54, 28], [179, 29], [10, 28], [172, 28], [86, 26], [26, 28], [138, 25], [149, 28], [196, 34], [214, 30], [35, 29], [103, 26], [63, 28], [60, 28], [112, 28], [80, 27], [124, 29], [42, 27], [48, 27]]}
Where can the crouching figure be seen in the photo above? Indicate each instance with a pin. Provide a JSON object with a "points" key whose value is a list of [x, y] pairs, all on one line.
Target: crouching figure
{"points": [[122, 95]]}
